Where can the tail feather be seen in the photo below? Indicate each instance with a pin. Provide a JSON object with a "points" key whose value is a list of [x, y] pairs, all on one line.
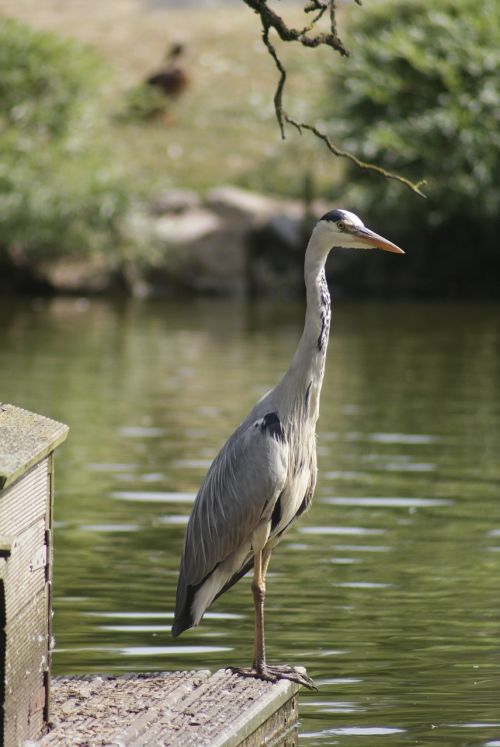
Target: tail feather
{"points": [[186, 594], [183, 618], [182, 622], [236, 577]]}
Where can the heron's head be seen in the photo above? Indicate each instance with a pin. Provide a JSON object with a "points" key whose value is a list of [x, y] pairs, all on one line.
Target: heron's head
{"points": [[342, 229]]}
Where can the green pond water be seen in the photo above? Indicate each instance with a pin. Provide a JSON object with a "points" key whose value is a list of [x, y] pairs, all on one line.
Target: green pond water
{"points": [[388, 590]]}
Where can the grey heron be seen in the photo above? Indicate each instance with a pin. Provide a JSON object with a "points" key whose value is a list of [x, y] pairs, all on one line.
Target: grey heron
{"points": [[264, 476]]}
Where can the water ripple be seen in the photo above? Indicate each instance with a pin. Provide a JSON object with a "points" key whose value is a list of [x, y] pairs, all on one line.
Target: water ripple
{"points": [[109, 527], [141, 431], [364, 548], [172, 650], [355, 731], [362, 585], [384, 502], [177, 519], [110, 467], [340, 530], [403, 438], [157, 615], [152, 496]]}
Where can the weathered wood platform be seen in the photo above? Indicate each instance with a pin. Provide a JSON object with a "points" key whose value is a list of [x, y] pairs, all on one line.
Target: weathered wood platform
{"points": [[27, 443], [177, 709]]}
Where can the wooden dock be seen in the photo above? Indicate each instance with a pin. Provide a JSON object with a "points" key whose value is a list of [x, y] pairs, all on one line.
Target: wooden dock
{"points": [[175, 709], [27, 444]]}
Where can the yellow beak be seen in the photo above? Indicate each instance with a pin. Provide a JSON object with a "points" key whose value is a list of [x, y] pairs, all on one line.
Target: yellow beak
{"points": [[373, 240]]}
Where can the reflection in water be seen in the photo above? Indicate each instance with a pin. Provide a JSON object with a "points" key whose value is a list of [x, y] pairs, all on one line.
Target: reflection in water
{"points": [[387, 591]]}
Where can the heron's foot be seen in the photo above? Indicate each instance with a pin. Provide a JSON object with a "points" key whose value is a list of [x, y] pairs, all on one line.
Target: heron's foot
{"points": [[270, 673]]}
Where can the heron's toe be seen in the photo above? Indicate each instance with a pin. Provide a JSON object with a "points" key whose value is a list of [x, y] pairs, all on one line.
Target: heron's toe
{"points": [[286, 672], [270, 673]]}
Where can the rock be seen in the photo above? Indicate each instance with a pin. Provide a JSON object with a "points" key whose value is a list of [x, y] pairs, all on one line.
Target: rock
{"points": [[187, 227], [199, 252], [275, 256], [238, 240], [288, 230], [219, 262], [233, 203], [233, 241], [175, 201], [93, 275]]}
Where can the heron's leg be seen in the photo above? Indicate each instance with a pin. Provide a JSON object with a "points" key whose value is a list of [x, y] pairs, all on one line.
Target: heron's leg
{"points": [[266, 557], [261, 562], [260, 668]]}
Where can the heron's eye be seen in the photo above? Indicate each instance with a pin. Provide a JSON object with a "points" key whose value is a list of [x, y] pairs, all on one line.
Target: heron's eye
{"points": [[341, 225]]}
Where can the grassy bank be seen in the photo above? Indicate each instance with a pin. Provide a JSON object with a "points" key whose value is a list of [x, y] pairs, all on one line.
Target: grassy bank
{"points": [[223, 128], [412, 97]]}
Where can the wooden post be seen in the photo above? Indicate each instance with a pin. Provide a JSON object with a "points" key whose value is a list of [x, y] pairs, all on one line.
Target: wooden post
{"points": [[27, 443]]}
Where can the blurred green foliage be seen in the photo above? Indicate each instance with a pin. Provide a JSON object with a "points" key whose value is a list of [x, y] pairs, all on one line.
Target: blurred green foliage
{"points": [[46, 83], [420, 96], [59, 190]]}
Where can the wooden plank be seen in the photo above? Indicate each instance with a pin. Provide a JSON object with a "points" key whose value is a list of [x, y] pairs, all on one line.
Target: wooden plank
{"points": [[24, 574], [227, 710], [2, 655], [26, 500], [25, 439], [267, 717], [27, 645], [87, 709], [24, 654], [26, 661], [175, 709], [24, 719], [27, 442]]}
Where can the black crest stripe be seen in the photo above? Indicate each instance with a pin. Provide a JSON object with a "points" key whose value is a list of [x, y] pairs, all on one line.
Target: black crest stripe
{"points": [[333, 215]]}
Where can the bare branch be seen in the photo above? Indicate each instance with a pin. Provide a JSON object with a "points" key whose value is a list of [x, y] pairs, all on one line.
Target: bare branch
{"points": [[278, 96], [333, 19], [322, 8], [315, 5], [271, 20], [414, 186]]}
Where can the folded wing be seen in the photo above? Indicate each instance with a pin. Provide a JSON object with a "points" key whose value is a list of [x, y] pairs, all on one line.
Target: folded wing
{"points": [[239, 492]]}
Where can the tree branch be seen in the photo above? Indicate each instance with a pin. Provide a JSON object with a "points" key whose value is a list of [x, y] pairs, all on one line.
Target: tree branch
{"points": [[271, 20], [414, 186]]}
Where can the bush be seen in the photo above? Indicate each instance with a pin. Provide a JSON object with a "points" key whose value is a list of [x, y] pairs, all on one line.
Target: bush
{"points": [[46, 83], [59, 193], [420, 96]]}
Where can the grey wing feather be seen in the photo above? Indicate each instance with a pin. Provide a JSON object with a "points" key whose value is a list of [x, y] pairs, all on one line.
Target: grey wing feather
{"points": [[248, 472], [245, 478]]}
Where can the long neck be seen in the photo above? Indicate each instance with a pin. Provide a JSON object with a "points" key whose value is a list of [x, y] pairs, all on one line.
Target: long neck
{"points": [[302, 383]]}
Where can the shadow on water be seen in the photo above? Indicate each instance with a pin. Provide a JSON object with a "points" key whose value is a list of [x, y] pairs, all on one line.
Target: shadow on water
{"points": [[387, 590]]}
